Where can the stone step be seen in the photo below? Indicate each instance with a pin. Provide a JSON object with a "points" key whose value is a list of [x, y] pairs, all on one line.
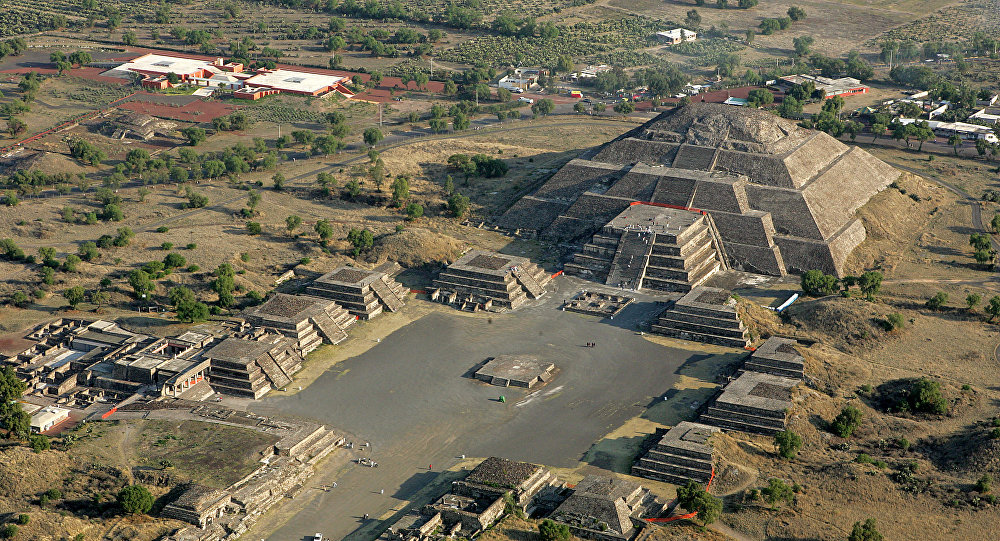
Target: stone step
{"points": [[274, 372], [676, 479], [669, 320], [709, 321], [783, 372], [701, 337], [738, 426], [330, 331], [387, 295], [666, 451], [652, 460], [529, 283], [786, 365]]}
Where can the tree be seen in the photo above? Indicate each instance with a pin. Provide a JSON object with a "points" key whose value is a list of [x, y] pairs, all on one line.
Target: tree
{"points": [[776, 492], [71, 263], [194, 135], [695, 498], [993, 308], [870, 283], [980, 241], [8, 531], [324, 230], [458, 204], [141, 282], [624, 107], [549, 530], [292, 222], [400, 190], [972, 301], [693, 18], [372, 136], [112, 213], [846, 422], [16, 126], [817, 284], [937, 301], [925, 396], [438, 125], [414, 211], [254, 228], [74, 296], [802, 44], [128, 38], [279, 182], [174, 261], [13, 419], [135, 499], [759, 97], [788, 443], [984, 483], [460, 122], [99, 298], [796, 13], [361, 239], [864, 531]]}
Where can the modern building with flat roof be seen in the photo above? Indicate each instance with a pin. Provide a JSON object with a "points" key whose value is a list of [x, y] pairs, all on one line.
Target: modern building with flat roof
{"points": [[844, 86]]}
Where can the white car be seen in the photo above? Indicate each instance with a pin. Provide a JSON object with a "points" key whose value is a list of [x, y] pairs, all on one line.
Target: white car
{"points": [[525, 100], [518, 90], [318, 537]]}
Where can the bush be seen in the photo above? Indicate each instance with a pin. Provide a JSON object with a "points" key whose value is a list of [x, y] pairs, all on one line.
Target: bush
{"points": [[938, 301], [864, 531], [695, 498], [984, 483], [925, 396], [846, 422], [253, 228], [892, 322], [135, 499], [817, 284], [553, 531], [8, 531], [162, 229], [39, 443], [788, 443], [777, 491], [23, 519]]}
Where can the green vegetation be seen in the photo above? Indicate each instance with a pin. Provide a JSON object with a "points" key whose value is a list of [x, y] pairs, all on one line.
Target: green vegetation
{"points": [[846, 422], [135, 499], [696, 499], [864, 531], [789, 443], [817, 284], [553, 531]]}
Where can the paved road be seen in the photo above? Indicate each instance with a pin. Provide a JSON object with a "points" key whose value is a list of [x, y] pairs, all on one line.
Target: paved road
{"points": [[408, 397]]}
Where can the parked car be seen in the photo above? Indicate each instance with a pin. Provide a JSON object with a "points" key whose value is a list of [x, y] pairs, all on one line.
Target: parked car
{"points": [[522, 99], [518, 90], [318, 537]]}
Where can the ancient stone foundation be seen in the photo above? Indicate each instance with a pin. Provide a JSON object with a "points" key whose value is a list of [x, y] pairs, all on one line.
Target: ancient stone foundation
{"points": [[753, 402], [776, 356], [650, 247], [364, 293], [782, 198], [490, 281], [683, 454], [706, 314]]}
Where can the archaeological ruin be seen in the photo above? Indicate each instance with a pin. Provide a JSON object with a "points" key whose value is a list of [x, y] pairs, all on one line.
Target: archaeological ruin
{"points": [[705, 314], [782, 198], [482, 280], [515, 370], [650, 247], [683, 454], [309, 320], [754, 402], [607, 509], [596, 303], [364, 293]]}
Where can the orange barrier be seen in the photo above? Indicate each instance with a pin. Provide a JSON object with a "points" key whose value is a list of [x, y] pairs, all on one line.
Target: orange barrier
{"points": [[688, 515], [109, 412], [556, 274], [75, 120]]}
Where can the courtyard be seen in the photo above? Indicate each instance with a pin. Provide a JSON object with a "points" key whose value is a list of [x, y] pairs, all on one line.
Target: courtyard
{"points": [[411, 396]]}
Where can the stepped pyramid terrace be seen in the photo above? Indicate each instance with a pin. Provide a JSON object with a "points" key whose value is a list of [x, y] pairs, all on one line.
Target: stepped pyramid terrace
{"points": [[781, 198], [490, 281], [364, 293], [309, 320]]}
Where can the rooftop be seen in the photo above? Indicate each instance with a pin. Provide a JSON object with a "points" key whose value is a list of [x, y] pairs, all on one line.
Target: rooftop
{"points": [[349, 276], [501, 472], [690, 436], [295, 81], [286, 308], [757, 390], [515, 367], [198, 498], [158, 63], [239, 351], [660, 220], [485, 262]]}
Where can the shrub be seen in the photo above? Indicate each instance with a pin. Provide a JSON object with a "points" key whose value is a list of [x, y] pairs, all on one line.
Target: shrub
{"points": [[695, 498], [788, 443], [846, 422], [937, 301], [925, 396], [903, 444], [253, 228], [864, 458], [167, 246], [162, 229], [553, 531], [893, 322], [864, 531], [193, 268], [817, 284], [777, 491], [39, 443], [984, 483], [135, 499], [23, 519], [8, 531]]}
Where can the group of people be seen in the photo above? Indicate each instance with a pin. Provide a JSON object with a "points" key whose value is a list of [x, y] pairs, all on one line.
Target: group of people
{"points": [[591, 344]]}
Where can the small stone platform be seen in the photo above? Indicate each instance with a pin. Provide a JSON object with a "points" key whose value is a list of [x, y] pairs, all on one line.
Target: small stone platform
{"points": [[481, 280], [706, 314], [753, 402], [364, 293], [682, 454], [777, 356], [515, 370], [598, 304]]}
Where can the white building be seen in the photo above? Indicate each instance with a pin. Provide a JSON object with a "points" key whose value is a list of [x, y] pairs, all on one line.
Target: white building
{"points": [[677, 35], [989, 114], [965, 130], [48, 417], [522, 78]]}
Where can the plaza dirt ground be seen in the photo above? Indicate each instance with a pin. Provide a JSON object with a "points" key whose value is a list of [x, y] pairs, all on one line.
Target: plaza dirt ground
{"points": [[411, 397]]}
